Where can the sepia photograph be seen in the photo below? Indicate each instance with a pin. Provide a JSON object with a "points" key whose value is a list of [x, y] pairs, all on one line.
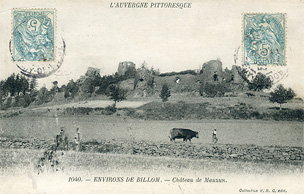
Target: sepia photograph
{"points": [[181, 97]]}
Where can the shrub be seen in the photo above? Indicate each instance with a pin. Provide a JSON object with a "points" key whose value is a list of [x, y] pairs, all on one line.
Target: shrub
{"points": [[79, 110], [44, 96], [27, 100], [87, 87], [71, 89], [210, 90], [23, 101], [130, 112], [165, 93], [260, 82], [289, 115], [214, 89], [109, 110], [256, 114]]}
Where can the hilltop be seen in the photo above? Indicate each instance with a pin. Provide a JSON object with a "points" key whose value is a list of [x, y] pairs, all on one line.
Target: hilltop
{"points": [[209, 92]]}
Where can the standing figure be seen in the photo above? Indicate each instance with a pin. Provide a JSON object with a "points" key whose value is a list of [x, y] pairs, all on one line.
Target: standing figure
{"points": [[62, 140], [215, 77], [77, 140], [214, 138]]}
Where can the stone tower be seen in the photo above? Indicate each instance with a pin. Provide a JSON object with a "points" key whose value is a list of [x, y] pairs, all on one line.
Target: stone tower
{"points": [[211, 70], [123, 67]]}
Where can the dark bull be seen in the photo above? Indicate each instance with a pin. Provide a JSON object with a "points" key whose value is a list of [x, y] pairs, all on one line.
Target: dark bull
{"points": [[180, 133]]}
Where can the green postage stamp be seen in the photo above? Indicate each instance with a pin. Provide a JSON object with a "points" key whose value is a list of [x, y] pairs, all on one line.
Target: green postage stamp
{"points": [[264, 39], [33, 36]]}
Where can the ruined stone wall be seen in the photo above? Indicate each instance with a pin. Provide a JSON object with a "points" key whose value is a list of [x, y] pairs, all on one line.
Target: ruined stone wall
{"points": [[91, 71], [209, 69], [123, 67]]}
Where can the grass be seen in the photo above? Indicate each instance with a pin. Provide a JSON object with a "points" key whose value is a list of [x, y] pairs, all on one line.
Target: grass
{"points": [[23, 160], [18, 166], [206, 110], [100, 127]]}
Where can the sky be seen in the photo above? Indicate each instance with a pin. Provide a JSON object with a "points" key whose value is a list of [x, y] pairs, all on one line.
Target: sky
{"points": [[169, 39]]}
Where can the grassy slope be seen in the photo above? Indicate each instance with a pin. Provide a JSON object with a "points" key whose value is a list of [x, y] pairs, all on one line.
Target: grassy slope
{"points": [[260, 103]]}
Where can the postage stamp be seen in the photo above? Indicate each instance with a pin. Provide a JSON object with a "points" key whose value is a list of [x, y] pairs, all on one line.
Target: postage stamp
{"points": [[33, 35], [34, 46], [264, 39]]}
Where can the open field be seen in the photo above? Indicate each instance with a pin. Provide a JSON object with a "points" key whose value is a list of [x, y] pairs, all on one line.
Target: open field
{"points": [[18, 166], [263, 133], [18, 161]]}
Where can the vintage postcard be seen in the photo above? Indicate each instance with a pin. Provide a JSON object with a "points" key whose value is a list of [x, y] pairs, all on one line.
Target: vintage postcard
{"points": [[186, 97]]}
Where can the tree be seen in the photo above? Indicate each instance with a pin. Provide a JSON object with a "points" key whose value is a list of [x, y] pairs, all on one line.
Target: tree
{"points": [[260, 82], [10, 85], [42, 95], [116, 94], [165, 93], [96, 79], [281, 95], [33, 85], [87, 87], [55, 88], [25, 85], [71, 89], [27, 100], [17, 84], [62, 88], [3, 90]]}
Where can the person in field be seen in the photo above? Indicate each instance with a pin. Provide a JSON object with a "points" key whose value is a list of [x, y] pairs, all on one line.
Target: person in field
{"points": [[214, 138], [77, 140], [62, 139]]}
